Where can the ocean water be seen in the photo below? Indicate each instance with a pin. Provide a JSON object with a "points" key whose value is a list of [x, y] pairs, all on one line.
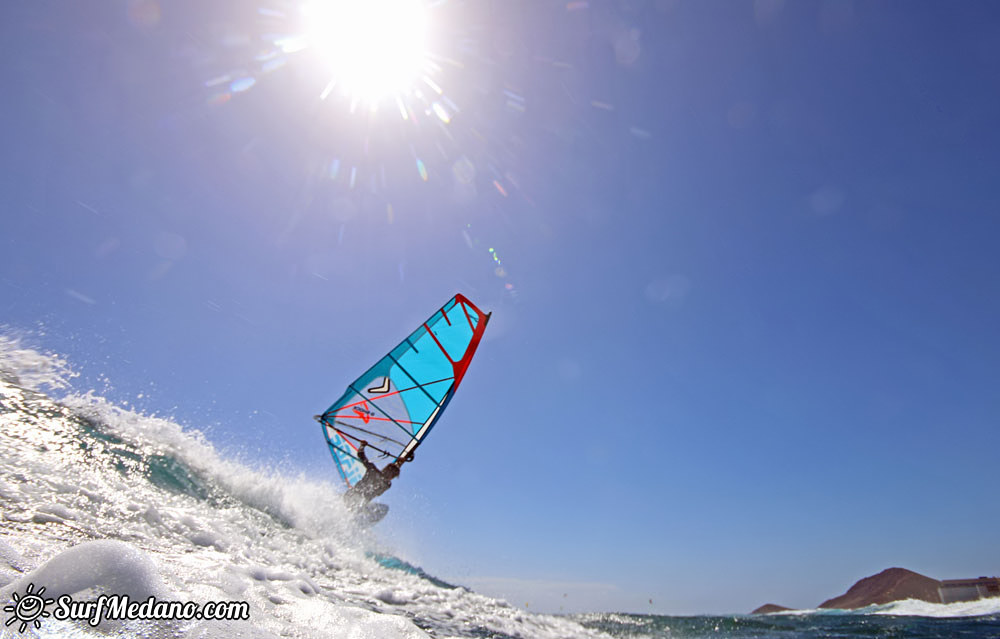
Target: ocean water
{"points": [[907, 620], [96, 498]]}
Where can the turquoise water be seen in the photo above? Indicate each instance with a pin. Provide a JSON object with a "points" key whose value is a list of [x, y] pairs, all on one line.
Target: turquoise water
{"points": [[784, 626]]}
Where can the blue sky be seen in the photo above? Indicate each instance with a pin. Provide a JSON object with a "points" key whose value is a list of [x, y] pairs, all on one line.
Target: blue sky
{"points": [[744, 342]]}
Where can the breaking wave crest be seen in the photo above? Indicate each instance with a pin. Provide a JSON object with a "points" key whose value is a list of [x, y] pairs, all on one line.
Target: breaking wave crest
{"points": [[99, 498]]}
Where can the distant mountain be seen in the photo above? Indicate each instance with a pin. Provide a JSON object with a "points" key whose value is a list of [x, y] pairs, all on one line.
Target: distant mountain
{"points": [[766, 608], [892, 584]]}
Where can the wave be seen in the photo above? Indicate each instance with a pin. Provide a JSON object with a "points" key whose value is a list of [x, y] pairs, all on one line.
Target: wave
{"points": [[908, 608], [917, 608], [96, 497]]}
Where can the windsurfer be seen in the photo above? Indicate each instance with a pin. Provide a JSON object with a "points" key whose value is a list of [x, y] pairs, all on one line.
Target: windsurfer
{"points": [[375, 482]]}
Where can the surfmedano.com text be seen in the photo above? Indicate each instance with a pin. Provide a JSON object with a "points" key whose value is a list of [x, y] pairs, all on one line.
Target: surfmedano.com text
{"points": [[121, 607]]}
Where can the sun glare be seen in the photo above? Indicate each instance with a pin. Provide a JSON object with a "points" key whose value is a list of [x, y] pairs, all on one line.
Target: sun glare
{"points": [[373, 49]]}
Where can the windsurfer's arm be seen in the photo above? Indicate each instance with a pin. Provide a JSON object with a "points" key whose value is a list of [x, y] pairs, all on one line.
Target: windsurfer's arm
{"points": [[361, 455]]}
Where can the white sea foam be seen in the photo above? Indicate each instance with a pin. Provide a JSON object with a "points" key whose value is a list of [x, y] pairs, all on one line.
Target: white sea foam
{"points": [[112, 566], [917, 608], [83, 512], [910, 608]]}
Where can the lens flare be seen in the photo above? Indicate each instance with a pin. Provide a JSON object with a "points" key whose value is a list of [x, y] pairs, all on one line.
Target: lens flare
{"points": [[373, 49]]}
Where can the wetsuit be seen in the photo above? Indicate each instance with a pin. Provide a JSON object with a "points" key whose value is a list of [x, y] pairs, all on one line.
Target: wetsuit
{"points": [[373, 484]]}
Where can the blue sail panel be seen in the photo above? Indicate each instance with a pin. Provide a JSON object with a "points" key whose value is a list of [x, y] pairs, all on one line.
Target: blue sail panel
{"points": [[351, 470]]}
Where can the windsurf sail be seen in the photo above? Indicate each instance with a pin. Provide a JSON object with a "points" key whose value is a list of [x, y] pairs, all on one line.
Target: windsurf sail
{"points": [[395, 404]]}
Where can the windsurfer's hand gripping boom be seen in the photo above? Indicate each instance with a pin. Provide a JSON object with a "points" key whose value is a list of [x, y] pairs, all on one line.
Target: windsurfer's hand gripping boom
{"points": [[398, 463]]}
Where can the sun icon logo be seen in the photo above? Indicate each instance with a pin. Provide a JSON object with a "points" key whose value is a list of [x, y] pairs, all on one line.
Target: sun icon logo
{"points": [[29, 608]]}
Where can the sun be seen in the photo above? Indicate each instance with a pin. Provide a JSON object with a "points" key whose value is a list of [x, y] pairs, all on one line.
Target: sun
{"points": [[372, 49]]}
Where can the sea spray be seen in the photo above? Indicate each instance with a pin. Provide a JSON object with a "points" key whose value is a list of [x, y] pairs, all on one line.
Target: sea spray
{"points": [[101, 500]]}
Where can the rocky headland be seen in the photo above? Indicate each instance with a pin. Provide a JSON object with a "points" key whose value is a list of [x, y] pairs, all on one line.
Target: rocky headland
{"points": [[769, 607], [892, 584]]}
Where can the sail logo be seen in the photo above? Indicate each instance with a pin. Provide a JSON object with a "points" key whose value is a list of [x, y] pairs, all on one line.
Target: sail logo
{"points": [[384, 388], [363, 412]]}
